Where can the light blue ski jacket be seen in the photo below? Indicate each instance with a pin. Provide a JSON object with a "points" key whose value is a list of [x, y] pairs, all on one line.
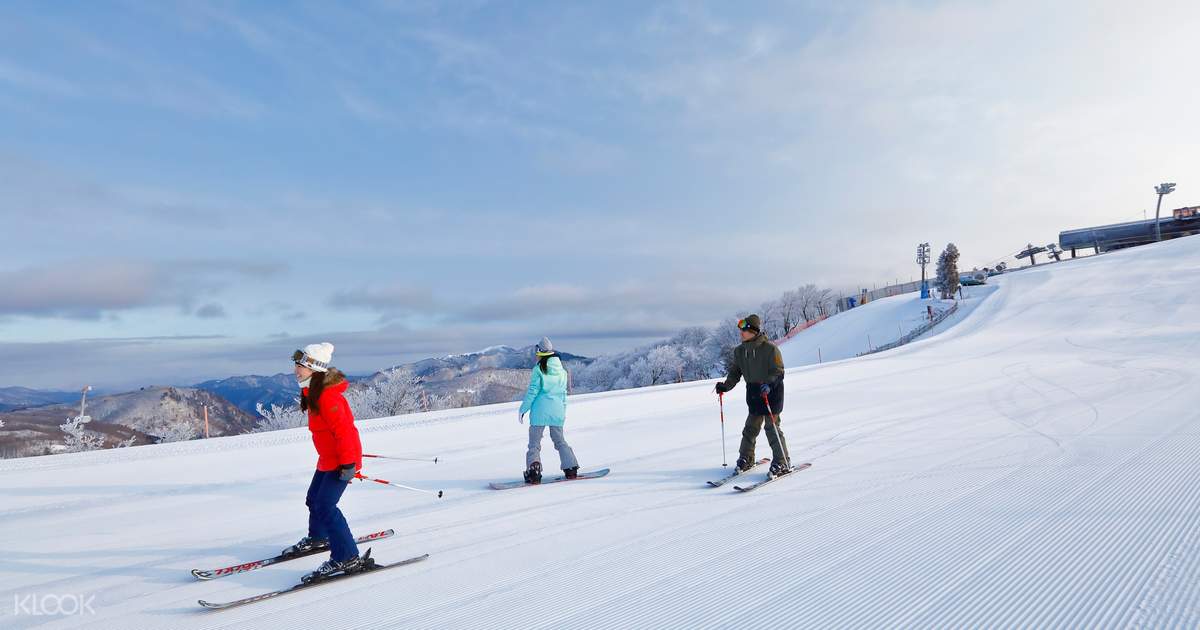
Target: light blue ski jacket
{"points": [[546, 398]]}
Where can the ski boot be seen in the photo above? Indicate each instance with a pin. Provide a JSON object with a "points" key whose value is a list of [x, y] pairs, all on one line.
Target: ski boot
{"points": [[572, 472], [306, 545], [744, 464], [331, 568], [778, 469], [534, 473]]}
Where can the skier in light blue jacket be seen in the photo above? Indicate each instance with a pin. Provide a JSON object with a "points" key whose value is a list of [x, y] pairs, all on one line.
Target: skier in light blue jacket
{"points": [[546, 404]]}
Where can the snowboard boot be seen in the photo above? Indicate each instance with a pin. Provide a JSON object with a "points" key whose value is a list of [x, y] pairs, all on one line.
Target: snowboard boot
{"points": [[306, 545], [778, 469], [534, 473], [572, 472], [744, 464], [331, 568]]}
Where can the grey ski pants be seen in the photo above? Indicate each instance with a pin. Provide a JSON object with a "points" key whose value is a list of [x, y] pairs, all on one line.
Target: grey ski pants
{"points": [[566, 456]]}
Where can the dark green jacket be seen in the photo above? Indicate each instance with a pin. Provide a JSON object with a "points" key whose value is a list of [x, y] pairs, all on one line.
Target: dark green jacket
{"points": [[758, 361]]}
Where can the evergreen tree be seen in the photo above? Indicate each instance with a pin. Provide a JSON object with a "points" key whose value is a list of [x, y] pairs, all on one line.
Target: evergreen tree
{"points": [[947, 272]]}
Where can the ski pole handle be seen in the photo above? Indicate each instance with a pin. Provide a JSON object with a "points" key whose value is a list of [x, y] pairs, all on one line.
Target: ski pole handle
{"points": [[396, 485], [402, 459]]}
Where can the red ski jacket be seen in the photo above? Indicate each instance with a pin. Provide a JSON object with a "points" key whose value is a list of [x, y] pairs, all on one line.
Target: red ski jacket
{"points": [[333, 432]]}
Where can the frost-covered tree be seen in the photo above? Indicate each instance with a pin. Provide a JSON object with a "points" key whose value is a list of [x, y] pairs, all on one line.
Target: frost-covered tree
{"points": [[947, 271], [396, 392], [79, 437], [662, 365], [774, 325], [828, 303], [277, 418], [791, 308], [178, 432], [816, 302], [694, 366], [725, 337], [599, 375]]}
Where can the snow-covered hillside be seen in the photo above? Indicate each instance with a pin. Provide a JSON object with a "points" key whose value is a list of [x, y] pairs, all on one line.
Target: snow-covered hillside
{"points": [[1033, 466], [865, 328]]}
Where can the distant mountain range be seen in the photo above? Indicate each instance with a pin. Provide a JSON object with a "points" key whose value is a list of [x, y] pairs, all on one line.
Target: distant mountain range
{"points": [[31, 417], [492, 375], [21, 397], [246, 392], [453, 366], [486, 373]]}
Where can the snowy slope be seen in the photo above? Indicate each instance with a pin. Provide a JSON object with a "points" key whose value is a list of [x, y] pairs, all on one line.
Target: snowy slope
{"points": [[883, 321], [1032, 466]]}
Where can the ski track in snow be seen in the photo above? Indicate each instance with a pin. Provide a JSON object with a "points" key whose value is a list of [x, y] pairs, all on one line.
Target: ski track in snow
{"points": [[1029, 464]]}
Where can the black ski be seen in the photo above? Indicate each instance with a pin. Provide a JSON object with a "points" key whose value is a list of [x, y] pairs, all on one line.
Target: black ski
{"points": [[755, 486], [372, 568], [726, 479], [210, 574]]}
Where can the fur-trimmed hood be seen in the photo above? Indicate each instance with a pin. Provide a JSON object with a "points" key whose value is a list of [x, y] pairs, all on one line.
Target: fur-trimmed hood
{"points": [[334, 377]]}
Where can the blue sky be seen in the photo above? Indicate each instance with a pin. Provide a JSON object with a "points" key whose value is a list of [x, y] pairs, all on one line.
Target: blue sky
{"points": [[191, 190]]}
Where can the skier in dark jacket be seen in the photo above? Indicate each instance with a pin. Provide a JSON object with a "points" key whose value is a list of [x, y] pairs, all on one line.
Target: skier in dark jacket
{"points": [[759, 361]]}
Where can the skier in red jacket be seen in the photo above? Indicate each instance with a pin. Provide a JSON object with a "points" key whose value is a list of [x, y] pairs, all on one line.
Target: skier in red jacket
{"points": [[339, 458]]}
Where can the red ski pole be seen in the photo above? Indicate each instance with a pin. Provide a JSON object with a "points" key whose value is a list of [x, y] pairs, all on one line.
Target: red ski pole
{"points": [[396, 485]]}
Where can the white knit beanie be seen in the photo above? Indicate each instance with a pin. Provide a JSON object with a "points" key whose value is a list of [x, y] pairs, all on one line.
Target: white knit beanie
{"points": [[316, 356]]}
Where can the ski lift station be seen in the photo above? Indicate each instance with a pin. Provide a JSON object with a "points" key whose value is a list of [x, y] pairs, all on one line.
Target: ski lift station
{"points": [[1182, 222]]}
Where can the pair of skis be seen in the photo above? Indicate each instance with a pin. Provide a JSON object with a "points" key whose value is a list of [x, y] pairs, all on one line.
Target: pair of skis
{"points": [[369, 564], [212, 574], [754, 486]]}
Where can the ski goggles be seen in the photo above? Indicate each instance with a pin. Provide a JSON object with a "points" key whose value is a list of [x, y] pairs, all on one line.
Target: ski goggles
{"points": [[744, 325], [299, 358]]}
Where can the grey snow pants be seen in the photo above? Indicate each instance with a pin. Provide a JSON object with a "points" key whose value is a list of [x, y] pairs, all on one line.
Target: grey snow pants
{"points": [[566, 456]]}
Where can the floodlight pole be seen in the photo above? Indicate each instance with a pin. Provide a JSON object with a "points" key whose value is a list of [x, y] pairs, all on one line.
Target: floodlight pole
{"points": [[923, 259], [1161, 189]]}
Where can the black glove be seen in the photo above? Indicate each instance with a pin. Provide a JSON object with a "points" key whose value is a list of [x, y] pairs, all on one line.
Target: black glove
{"points": [[721, 388], [764, 389], [346, 473]]}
